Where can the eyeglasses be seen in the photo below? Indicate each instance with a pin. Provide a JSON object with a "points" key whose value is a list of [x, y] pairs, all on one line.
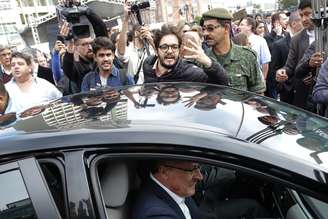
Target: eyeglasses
{"points": [[165, 47], [193, 170], [210, 28]]}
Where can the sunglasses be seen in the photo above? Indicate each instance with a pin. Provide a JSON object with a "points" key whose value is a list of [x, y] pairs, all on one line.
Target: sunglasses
{"points": [[210, 28]]}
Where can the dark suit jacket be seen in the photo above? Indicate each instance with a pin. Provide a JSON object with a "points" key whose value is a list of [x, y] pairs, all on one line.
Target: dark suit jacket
{"points": [[279, 55], [271, 38], [303, 92], [46, 74], [298, 44], [155, 202]]}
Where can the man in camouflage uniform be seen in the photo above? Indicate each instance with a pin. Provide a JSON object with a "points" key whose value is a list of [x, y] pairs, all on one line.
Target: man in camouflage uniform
{"points": [[240, 63]]}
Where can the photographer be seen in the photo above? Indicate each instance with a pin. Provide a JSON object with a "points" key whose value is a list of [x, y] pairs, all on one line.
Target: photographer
{"points": [[73, 12], [78, 59], [135, 54]]}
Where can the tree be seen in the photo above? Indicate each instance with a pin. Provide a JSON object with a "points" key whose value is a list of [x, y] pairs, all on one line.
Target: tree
{"points": [[286, 4]]}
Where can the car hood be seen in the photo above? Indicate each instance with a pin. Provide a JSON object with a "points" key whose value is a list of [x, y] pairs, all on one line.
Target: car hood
{"points": [[223, 110]]}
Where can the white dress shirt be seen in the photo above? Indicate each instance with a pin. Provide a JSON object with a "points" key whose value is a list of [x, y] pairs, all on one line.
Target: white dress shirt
{"points": [[179, 200], [311, 36]]}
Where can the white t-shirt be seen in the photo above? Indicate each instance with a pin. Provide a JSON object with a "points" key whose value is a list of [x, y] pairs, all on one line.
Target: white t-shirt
{"points": [[42, 91], [134, 57]]}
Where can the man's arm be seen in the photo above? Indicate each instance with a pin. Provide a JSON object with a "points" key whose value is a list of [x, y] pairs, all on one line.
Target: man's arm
{"points": [[320, 90], [255, 81], [265, 70], [121, 44], [215, 72], [68, 66], [56, 67], [97, 23], [265, 58], [303, 68], [292, 58]]}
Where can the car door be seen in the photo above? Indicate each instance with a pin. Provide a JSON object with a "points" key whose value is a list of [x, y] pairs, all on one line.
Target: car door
{"points": [[23, 191]]}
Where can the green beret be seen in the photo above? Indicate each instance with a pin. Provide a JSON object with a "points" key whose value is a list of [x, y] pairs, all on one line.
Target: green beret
{"points": [[219, 13]]}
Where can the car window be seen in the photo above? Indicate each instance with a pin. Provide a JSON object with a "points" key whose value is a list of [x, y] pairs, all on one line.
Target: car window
{"points": [[216, 191], [14, 199], [53, 173], [317, 207]]}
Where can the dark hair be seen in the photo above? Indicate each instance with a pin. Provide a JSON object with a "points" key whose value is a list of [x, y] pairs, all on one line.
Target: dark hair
{"points": [[160, 100], [257, 15], [164, 31], [135, 28], [294, 17], [3, 47], [3, 90], [258, 23], [265, 26], [27, 57], [102, 43], [240, 39], [275, 17], [251, 21], [304, 4], [113, 37], [129, 37], [198, 29]]}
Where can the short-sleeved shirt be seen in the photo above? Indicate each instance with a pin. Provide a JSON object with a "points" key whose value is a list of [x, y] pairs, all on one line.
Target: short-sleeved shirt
{"points": [[260, 46], [40, 92], [242, 68]]}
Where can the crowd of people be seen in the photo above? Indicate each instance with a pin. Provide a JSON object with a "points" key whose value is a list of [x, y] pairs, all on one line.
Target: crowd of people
{"points": [[272, 55]]}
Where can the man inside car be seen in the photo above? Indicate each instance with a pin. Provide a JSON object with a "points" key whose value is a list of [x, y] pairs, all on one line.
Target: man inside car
{"points": [[167, 193], [172, 186]]}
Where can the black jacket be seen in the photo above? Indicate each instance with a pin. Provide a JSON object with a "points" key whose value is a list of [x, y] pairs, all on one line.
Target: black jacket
{"points": [[271, 38], [279, 55], [303, 92], [46, 74], [298, 45], [76, 71], [185, 71]]}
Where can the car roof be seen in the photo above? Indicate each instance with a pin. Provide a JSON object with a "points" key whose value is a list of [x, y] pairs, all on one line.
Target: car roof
{"points": [[152, 108]]}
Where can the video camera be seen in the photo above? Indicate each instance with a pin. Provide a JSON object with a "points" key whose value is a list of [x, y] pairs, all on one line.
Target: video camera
{"points": [[136, 7], [71, 12]]}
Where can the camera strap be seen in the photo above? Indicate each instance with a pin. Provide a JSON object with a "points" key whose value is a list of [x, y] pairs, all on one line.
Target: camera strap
{"points": [[140, 63]]}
